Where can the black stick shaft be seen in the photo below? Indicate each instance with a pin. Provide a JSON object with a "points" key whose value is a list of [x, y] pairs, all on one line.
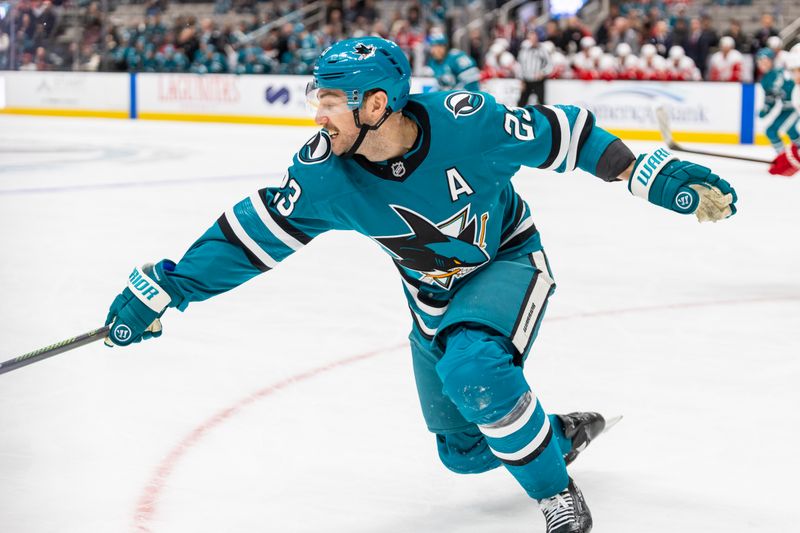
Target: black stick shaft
{"points": [[666, 132], [53, 349], [679, 148]]}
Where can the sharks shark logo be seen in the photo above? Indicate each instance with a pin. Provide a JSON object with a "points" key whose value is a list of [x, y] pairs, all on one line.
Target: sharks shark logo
{"points": [[440, 252], [463, 104], [364, 50]]}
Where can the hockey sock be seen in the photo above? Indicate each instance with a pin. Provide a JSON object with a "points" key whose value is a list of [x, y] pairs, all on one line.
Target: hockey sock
{"points": [[558, 434], [479, 376]]}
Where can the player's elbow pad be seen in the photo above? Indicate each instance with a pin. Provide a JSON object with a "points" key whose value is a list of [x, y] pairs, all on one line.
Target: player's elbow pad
{"points": [[615, 159]]}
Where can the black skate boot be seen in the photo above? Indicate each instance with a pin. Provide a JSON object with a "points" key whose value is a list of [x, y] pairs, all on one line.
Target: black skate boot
{"points": [[581, 428], [566, 512]]}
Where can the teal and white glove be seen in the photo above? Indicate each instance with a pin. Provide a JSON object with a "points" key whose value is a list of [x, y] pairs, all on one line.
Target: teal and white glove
{"points": [[134, 313], [662, 179]]}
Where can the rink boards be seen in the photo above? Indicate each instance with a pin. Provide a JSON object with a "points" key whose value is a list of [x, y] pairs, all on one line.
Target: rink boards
{"points": [[699, 111]]}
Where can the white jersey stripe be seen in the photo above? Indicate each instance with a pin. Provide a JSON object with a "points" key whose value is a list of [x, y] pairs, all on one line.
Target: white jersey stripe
{"points": [[529, 449], [540, 262], [563, 123], [504, 431], [422, 325], [271, 225], [535, 304], [522, 226], [248, 241], [577, 129]]}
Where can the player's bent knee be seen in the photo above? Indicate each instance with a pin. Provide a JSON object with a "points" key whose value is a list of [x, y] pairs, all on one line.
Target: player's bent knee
{"points": [[478, 374], [466, 452]]}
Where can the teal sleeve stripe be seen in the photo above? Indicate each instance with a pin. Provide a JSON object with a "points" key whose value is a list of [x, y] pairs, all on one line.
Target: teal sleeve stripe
{"points": [[211, 266], [252, 224]]}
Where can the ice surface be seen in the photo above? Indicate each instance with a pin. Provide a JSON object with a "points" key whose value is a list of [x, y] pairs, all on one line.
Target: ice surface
{"points": [[251, 414]]}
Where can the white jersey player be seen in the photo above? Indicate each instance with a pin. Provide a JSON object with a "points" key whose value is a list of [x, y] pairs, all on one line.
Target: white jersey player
{"points": [[726, 64]]}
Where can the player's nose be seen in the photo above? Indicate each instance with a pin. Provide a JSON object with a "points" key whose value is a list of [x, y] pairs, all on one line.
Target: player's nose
{"points": [[320, 118]]}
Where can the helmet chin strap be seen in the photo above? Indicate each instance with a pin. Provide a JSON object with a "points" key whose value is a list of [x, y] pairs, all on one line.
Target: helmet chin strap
{"points": [[364, 129]]}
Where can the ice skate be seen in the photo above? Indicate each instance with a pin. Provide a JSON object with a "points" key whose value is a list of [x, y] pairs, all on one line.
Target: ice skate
{"points": [[566, 512], [581, 429]]}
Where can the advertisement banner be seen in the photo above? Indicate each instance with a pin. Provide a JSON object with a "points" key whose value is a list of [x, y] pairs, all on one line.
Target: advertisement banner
{"points": [[223, 96], [67, 93], [259, 99], [699, 111]]}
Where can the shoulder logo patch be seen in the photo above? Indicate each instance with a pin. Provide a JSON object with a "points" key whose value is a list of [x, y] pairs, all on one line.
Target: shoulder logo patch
{"points": [[463, 103], [316, 150]]}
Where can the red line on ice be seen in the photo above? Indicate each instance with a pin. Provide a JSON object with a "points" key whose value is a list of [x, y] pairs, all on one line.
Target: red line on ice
{"points": [[146, 508], [148, 501]]}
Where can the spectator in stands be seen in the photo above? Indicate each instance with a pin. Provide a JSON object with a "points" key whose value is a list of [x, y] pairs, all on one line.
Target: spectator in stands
{"points": [[661, 38], [5, 46], [621, 32], [741, 42], [535, 66], [601, 35], [90, 59], [698, 45], [766, 31], [27, 62], [45, 17], [476, 47], [553, 33], [726, 63], [574, 32]]}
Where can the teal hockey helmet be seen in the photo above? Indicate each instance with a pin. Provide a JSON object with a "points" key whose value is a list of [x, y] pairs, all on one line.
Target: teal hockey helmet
{"points": [[765, 52], [437, 39], [356, 66]]}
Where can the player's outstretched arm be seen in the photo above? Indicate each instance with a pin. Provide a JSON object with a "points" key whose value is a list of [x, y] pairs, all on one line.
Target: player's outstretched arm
{"points": [[250, 238], [681, 186], [562, 138]]}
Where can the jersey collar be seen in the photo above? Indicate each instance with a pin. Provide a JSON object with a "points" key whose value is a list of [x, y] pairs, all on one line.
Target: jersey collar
{"points": [[400, 168]]}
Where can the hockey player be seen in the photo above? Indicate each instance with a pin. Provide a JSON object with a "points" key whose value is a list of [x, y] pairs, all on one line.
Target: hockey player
{"points": [[427, 177], [582, 60], [726, 63], [560, 63], [452, 69], [775, 43], [787, 163], [646, 63], [676, 53], [607, 68], [630, 68], [687, 70], [777, 109]]}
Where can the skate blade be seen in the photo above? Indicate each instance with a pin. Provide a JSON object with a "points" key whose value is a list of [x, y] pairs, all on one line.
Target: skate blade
{"points": [[611, 422]]}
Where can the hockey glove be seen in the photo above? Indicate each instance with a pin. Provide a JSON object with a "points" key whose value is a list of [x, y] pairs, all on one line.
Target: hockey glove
{"points": [[787, 162], [662, 179], [134, 313]]}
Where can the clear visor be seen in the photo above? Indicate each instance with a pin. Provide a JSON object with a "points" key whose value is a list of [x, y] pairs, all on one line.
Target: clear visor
{"points": [[326, 102]]}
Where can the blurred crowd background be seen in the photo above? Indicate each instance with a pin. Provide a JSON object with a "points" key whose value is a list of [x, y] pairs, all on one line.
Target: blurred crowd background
{"points": [[594, 39]]}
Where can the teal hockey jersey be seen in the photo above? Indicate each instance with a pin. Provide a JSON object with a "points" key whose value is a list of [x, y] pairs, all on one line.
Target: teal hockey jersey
{"points": [[442, 211], [777, 85], [456, 71]]}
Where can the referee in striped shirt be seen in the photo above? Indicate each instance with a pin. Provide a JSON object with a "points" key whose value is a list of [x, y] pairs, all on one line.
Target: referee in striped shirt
{"points": [[536, 66]]}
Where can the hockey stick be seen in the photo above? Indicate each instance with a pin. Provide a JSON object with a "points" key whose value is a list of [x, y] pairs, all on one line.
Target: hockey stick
{"points": [[53, 349], [666, 133]]}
